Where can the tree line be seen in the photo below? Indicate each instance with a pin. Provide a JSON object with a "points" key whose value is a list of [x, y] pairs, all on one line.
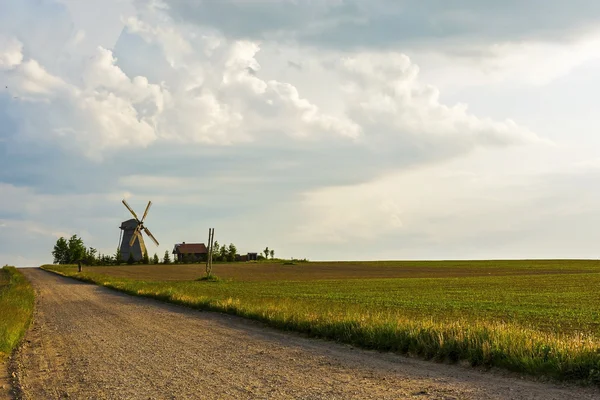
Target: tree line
{"points": [[74, 250]]}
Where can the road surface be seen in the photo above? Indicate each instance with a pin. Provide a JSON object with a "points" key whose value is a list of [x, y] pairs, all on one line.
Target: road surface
{"points": [[89, 342]]}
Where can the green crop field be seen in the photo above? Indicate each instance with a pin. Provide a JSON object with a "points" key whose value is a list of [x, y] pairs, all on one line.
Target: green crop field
{"points": [[16, 308], [537, 317]]}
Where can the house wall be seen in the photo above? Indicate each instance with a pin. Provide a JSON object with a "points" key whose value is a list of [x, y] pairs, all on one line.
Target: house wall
{"points": [[191, 257]]}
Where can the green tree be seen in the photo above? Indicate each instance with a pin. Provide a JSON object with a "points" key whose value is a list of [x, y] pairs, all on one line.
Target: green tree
{"points": [[266, 251], [272, 252], [145, 258], [166, 258], [155, 259], [216, 251], [131, 260], [222, 253], [231, 252], [77, 249], [90, 256], [118, 256], [61, 251]]}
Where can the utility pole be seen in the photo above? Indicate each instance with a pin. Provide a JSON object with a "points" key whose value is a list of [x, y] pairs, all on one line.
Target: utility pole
{"points": [[211, 238]]}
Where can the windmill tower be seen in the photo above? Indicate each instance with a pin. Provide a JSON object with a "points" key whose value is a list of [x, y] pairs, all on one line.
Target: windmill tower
{"points": [[132, 241]]}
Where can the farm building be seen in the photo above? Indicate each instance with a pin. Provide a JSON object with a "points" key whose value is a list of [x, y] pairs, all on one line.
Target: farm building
{"points": [[247, 257], [190, 252]]}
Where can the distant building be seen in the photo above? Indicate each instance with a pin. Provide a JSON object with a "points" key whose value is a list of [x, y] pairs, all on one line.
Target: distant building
{"points": [[246, 257], [190, 252]]}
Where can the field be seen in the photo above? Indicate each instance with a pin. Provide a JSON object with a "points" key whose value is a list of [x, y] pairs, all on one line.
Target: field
{"points": [[16, 308], [537, 317]]}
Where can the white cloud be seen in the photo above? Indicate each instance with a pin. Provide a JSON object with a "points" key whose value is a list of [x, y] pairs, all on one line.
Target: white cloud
{"points": [[530, 61], [214, 94], [10, 52], [387, 99]]}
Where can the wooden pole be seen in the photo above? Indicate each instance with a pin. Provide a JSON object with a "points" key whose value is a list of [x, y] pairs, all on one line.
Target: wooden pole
{"points": [[211, 237], [208, 252]]}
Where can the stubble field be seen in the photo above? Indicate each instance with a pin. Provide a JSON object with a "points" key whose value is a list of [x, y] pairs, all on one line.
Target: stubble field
{"points": [[537, 317]]}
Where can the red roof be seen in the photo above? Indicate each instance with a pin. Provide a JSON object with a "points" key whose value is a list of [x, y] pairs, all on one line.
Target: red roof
{"points": [[190, 248]]}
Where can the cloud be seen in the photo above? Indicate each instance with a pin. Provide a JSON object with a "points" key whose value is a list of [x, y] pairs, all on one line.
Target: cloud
{"points": [[219, 98], [509, 41], [515, 63], [386, 98], [219, 128], [10, 52], [467, 204], [383, 24]]}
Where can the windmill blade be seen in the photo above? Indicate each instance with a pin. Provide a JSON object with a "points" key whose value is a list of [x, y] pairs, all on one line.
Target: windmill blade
{"points": [[151, 236], [130, 210], [146, 212], [136, 232]]}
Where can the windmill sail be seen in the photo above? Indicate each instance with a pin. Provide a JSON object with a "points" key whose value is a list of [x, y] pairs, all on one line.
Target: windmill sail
{"points": [[130, 210]]}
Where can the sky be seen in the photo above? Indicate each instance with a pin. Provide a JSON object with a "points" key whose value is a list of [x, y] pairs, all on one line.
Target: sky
{"points": [[327, 130]]}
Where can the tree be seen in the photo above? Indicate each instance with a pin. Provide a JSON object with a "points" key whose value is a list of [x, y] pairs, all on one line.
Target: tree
{"points": [[266, 251], [105, 259], [118, 256], [76, 249], [166, 258], [71, 251], [131, 260], [155, 259], [231, 252], [272, 253], [61, 251], [89, 257], [223, 253], [145, 259], [216, 248]]}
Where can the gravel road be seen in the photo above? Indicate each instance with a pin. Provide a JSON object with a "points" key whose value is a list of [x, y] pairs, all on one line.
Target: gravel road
{"points": [[88, 342]]}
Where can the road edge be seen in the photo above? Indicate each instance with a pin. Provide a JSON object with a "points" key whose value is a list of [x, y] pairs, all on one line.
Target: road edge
{"points": [[9, 376]]}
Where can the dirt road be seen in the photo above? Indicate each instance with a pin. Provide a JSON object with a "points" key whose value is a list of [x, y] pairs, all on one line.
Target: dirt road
{"points": [[89, 342]]}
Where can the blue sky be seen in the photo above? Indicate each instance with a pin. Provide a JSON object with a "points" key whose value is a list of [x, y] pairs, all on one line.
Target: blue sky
{"points": [[338, 129]]}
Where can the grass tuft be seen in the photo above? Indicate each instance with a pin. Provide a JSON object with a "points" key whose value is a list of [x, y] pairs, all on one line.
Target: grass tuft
{"points": [[209, 278], [16, 308]]}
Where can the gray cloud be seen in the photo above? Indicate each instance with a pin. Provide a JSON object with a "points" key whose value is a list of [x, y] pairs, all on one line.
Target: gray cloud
{"points": [[388, 23]]}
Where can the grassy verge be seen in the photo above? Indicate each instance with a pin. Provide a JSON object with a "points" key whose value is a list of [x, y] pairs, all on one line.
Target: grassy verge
{"points": [[16, 308], [542, 325]]}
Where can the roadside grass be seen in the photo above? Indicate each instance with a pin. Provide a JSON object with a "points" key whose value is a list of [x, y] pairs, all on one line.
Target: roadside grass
{"points": [[539, 319], [16, 308]]}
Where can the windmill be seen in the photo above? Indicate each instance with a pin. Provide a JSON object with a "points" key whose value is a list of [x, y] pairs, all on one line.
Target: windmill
{"points": [[131, 241]]}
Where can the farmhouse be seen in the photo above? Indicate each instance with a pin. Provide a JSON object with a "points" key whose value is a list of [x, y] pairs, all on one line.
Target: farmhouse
{"points": [[190, 252]]}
